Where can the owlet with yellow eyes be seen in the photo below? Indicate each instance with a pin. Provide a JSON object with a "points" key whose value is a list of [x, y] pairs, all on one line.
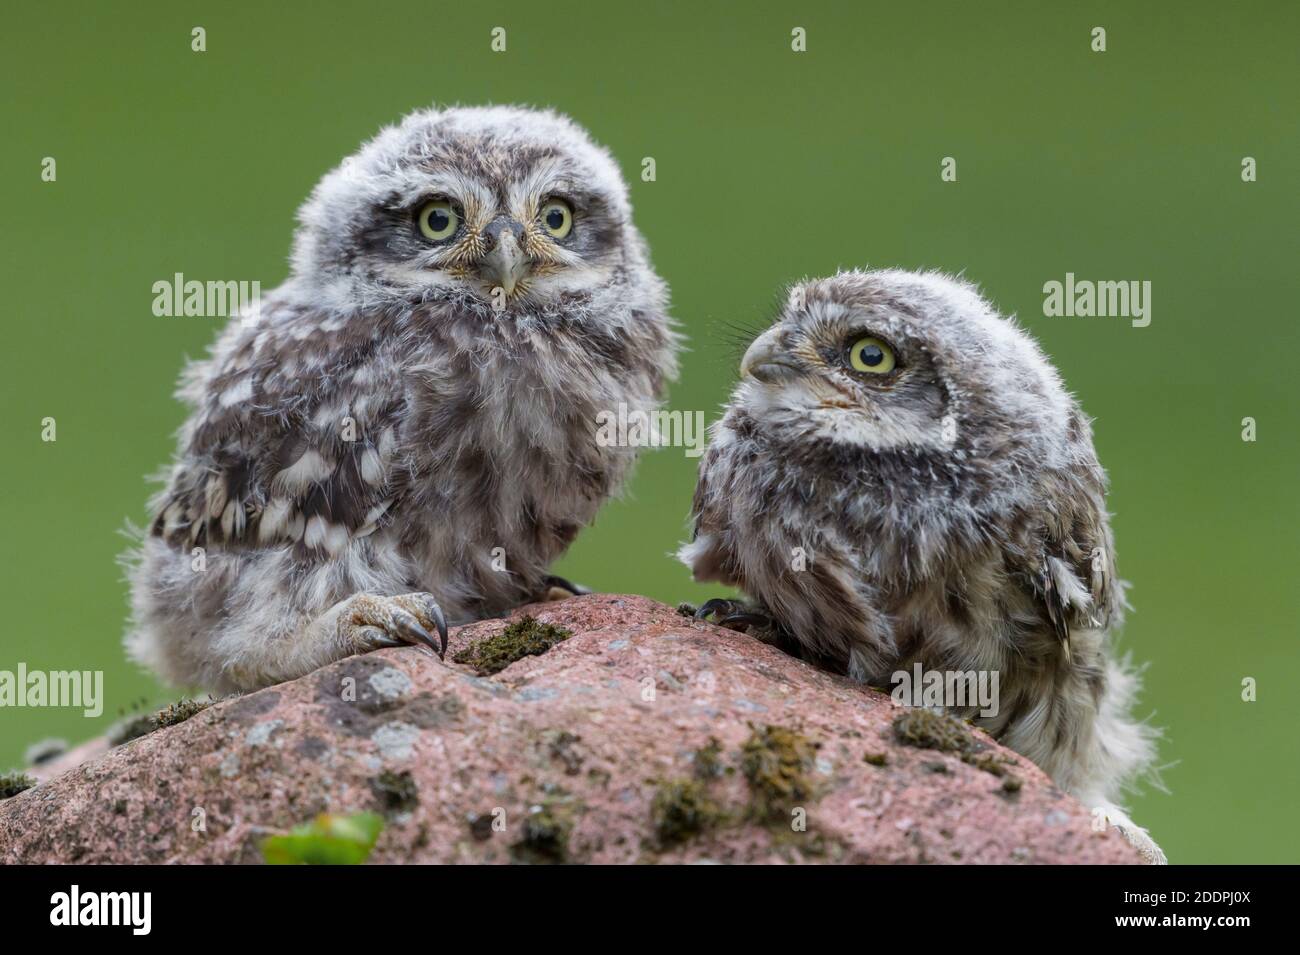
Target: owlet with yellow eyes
{"points": [[901, 480], [404, 433]]}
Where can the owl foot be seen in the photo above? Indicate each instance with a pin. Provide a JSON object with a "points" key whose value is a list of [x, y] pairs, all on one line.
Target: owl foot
{"points": [[733, 615], [1140, 840], [557, 588], [1134, 835], [369, 622]]}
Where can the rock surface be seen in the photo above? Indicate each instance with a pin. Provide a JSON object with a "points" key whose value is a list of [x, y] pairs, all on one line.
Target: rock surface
{"points": [[645, 736]]}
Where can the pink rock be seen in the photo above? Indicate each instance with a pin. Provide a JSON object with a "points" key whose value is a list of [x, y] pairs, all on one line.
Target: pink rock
{"points": [[594, 751]]}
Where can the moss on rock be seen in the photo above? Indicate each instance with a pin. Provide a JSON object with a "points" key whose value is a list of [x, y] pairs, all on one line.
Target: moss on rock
{"points": [[11, 784], [706, 762], [527, 637], [395, 792], [777, 762], [180, 711], [134, 727], [929, 730], [681, 810], [545, 836]]}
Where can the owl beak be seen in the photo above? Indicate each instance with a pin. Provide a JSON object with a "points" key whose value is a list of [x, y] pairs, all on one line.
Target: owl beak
{"points": [[765, 361], [506, 264]]}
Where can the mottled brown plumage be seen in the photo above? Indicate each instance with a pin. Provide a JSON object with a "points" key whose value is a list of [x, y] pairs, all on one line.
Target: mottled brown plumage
{"points": [[407, 429], [941, 504]]}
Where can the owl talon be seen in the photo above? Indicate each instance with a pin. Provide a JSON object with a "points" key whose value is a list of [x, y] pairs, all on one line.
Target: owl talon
{"points": [[434, 613], [743, 621], [371, 622], [555, 587], [410, 628], [720, 607]]}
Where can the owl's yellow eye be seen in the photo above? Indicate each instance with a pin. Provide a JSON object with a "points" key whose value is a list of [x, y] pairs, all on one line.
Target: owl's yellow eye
{"points": [[557, 217], [872, 356], [438, 220]]}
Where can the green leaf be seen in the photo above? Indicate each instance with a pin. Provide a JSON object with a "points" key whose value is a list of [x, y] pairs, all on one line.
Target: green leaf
{"points": [[326, 840]]}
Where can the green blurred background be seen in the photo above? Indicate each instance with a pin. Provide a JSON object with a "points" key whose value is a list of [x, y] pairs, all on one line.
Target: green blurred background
{"points": [[772, 165]]}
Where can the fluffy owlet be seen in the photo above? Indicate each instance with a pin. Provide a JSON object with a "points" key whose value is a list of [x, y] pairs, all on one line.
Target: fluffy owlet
{"points": [[901, 478], [405, 434]]}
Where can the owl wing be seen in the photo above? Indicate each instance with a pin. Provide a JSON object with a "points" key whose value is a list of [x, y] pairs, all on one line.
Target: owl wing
{"points": [[708, 553], [1068, 557], [293, 441]]}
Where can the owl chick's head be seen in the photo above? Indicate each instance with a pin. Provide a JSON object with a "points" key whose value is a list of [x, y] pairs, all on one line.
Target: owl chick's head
{"points": [[903, 362], [498, 205]]}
